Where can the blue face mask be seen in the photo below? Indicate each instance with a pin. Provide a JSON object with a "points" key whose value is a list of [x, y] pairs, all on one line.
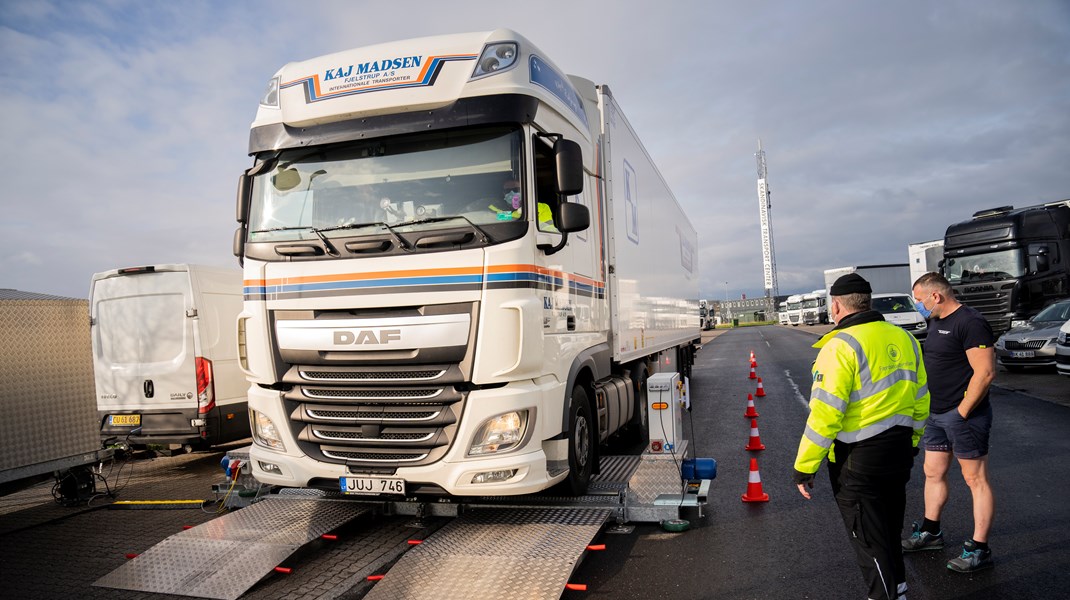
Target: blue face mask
{"points": [[925, 313]]}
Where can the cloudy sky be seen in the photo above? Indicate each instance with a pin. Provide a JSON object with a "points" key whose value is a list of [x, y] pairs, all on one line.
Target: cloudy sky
{"points": [[125, 123]]}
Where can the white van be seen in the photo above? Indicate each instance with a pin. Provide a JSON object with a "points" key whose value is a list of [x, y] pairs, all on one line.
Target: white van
{"points": [[899, 309], [165, 355]]}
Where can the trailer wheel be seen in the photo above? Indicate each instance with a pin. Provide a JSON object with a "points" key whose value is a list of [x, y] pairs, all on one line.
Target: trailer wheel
{"points": [[580, 446]]}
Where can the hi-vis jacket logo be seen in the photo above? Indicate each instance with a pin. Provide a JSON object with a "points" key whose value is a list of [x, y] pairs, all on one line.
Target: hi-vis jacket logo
{"points": [[388, 73]]}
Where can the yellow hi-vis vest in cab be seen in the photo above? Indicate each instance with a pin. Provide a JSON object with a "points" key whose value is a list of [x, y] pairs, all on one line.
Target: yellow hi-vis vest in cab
{"points": [[868, 378]]}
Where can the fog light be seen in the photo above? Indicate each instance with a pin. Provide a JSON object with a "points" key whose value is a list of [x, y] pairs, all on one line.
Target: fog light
{"points": [[264, 431], [494, 476], [269, 467], [499, 433]]}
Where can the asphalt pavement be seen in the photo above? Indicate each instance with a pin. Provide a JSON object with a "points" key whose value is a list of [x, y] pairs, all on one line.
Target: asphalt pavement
{"points": [[787, 548], [793, 548]]}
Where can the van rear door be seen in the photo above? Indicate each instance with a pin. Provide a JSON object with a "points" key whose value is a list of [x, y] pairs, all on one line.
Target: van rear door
{"points": [[143, 342]]}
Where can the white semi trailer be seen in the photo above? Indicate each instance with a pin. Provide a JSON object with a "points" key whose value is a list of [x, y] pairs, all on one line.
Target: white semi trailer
{"points": [[882, 278], [461, 267], [924, 257]]}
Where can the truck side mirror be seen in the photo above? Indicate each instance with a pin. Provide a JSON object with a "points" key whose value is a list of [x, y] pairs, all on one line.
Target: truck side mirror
{"points": [[245, 185], [573, 217], [569, 161], [1043, 259], [239, 244]]}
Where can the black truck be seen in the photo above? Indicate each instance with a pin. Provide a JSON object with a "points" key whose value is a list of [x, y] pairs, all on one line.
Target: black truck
{"points": [[1009, 263]]}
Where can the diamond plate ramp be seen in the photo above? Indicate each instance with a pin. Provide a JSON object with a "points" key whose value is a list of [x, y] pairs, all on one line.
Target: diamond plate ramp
{"points": [[226, 556], [527, 553]]}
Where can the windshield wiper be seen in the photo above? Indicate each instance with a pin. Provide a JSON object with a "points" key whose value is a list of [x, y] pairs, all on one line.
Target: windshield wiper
{"points": [[397, 238], [483, 234]]}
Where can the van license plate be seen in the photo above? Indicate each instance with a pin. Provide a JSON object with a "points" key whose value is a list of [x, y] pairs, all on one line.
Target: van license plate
{"points": [[125, 420], [372, 485], [1022, 354]]}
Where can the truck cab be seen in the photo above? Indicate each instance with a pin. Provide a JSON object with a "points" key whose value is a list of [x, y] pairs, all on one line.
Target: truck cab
{"points": [[1009, 263]]}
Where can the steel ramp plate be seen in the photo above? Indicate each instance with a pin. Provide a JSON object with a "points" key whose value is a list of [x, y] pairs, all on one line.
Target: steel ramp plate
{"points": [[226, 556], [525, 553]]}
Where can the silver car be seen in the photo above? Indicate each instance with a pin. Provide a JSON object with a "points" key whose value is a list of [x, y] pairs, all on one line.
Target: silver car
{"points": [[1033, 344]]}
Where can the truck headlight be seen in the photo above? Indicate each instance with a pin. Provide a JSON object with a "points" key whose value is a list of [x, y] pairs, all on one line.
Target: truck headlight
{"points": [[495, 58], [1062, 337], [264, 431], [500, 433]]}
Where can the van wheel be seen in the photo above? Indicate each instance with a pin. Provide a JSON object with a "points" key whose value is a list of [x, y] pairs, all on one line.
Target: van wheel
{"points": [[580, 446]]}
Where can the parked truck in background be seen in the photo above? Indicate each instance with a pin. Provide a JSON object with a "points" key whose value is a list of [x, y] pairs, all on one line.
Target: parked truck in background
{"points": [[795, 302], [706, 316], [165, 356], [815, 308], [782, 313], [924, 257], [882, 278], [461, 267], [1009, 263]]}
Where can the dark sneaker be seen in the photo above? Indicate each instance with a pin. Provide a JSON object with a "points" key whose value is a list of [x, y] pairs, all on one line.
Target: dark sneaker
{"points": [[923, 540], [972, 559]]}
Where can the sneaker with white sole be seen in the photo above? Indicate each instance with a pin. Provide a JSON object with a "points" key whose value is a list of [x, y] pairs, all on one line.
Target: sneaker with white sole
{"points": [[972, 559], [922, 540]]}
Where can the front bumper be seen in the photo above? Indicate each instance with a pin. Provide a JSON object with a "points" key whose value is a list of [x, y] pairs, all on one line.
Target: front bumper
{"points": [[454, 472]]}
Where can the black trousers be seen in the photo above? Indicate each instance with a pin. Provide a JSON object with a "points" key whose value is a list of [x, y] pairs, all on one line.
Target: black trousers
{"points": [[872, 501]]}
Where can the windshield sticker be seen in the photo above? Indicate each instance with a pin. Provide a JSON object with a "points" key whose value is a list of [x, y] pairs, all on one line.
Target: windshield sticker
{"points": [[543, 75], [374, 76]]}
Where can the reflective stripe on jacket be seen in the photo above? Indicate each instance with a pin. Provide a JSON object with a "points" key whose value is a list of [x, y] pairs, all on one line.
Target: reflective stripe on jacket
{"points": [[868, 378]]}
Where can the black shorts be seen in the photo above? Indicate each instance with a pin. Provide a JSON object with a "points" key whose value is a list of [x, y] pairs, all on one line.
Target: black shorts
{"points": [[967, 438]]}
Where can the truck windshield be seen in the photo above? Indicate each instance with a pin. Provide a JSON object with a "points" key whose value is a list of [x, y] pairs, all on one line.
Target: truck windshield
{"points": [[810, 303], [406, 183], [991, 266]]}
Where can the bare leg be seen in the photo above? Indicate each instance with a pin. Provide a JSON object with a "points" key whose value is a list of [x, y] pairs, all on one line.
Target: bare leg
{"points": [[975, 472], [936, 467]]}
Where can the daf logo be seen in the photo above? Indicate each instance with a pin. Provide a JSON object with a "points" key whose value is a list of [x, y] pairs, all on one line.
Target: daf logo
{"points": [[366, 336]]}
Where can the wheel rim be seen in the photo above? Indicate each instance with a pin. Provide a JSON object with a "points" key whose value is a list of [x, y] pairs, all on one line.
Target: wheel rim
{"points": [[581, 441]]}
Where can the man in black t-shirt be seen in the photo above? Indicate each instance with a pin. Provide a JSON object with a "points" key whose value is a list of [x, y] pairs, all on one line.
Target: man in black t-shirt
{"points": [[961, 365]]}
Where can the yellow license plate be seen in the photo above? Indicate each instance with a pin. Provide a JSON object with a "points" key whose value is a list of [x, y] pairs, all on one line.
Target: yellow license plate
{"points": [[126, 420]]}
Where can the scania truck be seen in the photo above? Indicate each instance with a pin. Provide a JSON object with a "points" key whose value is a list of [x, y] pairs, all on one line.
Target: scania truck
{"points": [[461, 267], [1009, 263]]}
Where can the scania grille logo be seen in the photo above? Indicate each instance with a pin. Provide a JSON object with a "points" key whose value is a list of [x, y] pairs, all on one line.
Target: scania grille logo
{"points": [[366, 336], [978, 288]]}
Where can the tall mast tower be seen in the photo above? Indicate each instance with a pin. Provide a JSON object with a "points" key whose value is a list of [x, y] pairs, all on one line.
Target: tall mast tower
{"points": [[768, 255]]}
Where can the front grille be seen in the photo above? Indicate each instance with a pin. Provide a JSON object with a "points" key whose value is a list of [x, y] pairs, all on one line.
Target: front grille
{"points": [[386, 423], [372, 394], [377, 376], [1028, 345], [372, 457], [371, 415]]}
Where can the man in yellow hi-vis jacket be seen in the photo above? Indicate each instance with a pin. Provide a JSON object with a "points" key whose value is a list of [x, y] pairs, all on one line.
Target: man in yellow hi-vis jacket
{"points": [[868, 407]]}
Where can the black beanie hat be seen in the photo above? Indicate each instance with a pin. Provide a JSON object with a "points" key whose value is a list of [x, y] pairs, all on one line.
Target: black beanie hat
{"points": [[851, 283]]}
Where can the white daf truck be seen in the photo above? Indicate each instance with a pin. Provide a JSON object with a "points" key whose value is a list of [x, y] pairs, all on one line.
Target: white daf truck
{"points": [[461, 267]]}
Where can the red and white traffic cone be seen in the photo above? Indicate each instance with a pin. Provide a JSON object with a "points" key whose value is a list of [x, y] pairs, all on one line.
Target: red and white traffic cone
{"points": [[754, 485], [761, 390], [751, 413], [753, 375], [752, 359], [753, 363], [755, 442]]}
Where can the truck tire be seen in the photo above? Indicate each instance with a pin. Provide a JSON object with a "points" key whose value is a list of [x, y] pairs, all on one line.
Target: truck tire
{"points": [[580, 442]]}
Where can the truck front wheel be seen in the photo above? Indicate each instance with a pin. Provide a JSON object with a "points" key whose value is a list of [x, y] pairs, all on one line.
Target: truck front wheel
{"points": [[580, 447]]}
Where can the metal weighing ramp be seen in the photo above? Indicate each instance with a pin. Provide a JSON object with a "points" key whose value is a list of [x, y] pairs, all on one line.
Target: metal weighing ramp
{"points": [[226, 556], [495, 553]]}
